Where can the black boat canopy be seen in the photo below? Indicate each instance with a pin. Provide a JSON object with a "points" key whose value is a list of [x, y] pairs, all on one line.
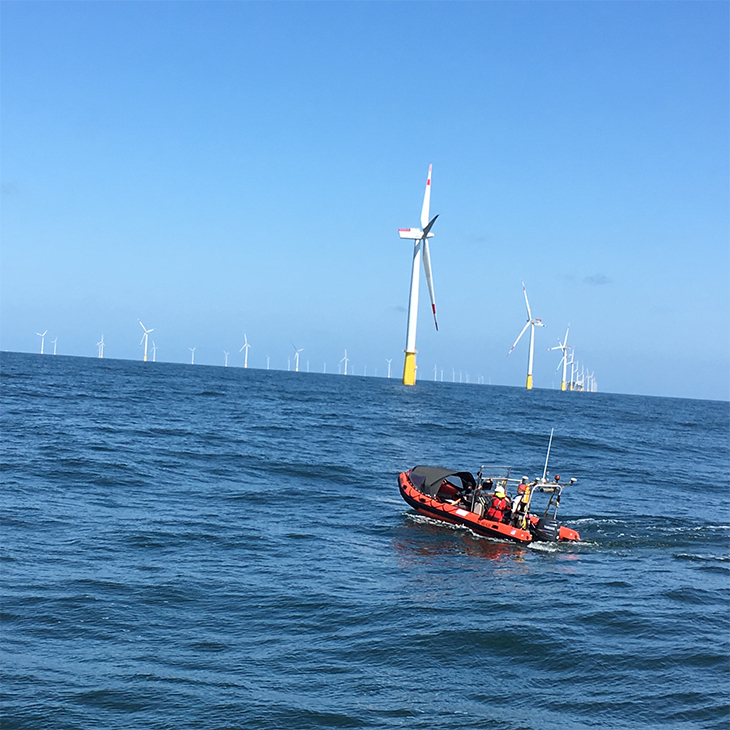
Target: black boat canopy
{"points": [[427, 479]]}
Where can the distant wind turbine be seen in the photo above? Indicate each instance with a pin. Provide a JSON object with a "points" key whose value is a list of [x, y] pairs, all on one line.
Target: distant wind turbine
{"points": [[345, 360], [420, 238], [225, 364], [192, 354], [144, 339], [296, 357], [563, 347], [100, 345], [43, 338], [389, 361], [54, 345], [531, 323], [246, 347], [154, 351]]}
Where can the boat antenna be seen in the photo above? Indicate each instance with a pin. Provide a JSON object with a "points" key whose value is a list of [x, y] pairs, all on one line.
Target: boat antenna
{"points": [[547, 457]]}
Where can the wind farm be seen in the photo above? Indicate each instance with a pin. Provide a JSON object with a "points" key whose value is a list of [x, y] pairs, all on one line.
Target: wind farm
{"points": [[575, 375]]}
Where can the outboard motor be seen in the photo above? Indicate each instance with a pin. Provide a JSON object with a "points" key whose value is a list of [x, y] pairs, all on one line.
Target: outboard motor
{"points": [[547, 529]]}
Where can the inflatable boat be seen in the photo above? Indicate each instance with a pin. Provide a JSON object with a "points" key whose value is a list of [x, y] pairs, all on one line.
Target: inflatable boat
{"points": [[460, 498]]}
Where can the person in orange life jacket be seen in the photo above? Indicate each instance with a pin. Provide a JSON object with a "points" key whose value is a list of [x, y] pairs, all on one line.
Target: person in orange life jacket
{"points": [[499, 507]]}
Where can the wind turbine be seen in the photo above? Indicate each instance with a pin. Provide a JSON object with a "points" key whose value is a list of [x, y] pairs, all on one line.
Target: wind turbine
{"points": [[563, 347], [389, 361], [420, 238], [531, 323], [192, 354], [296, 357], [345, 360], [43, 338], [571, 362], [144, 339], [54, 345], [100, 345], [245, 347], [225, 364], [154, 351]]}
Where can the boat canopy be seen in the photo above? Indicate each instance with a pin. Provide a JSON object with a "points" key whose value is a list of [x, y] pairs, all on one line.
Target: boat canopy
{"points": [[427, 479]]}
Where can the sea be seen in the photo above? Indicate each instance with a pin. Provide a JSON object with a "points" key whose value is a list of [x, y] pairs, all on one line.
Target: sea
{"points": [[186, 546]]}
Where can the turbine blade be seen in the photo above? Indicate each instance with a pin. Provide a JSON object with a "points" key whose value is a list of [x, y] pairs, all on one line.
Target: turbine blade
{"points": [[141, 325], [429, 276], [427, 229], [426, 199], [519, 337], [527, 302]]}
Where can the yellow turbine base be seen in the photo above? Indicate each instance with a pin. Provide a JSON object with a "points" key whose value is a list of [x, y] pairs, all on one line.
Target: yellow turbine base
{"points": [[562, 386], [529, 382], [409, 369], [145, 358]]}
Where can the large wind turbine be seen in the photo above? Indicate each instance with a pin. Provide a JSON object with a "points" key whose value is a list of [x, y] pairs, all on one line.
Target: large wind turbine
{"points": [[100, 345], [531, 323], [245, 347], [43, 338], [144, 339], [563, 347], [296, 357], [420, 238]]}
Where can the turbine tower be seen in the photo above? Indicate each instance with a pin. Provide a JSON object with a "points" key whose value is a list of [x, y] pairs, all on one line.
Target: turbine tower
{"points": [[225, 364], [345, 360], [389, 361], [245, 347], [192, 354], [43, 338], [154, 351], [531, 323], [144, 339], [296, 357], [53, 342], [100, 345], [563, 347], [420, 238]]}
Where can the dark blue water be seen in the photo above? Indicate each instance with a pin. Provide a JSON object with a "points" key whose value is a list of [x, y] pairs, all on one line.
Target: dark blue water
{"points": [[199, 547]]}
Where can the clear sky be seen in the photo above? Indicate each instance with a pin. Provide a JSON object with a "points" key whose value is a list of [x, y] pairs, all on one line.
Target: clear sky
{"points": [[217, 168]]}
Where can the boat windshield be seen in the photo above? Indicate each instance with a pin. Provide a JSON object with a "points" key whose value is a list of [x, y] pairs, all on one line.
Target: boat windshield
{"points": [[492, 474]]}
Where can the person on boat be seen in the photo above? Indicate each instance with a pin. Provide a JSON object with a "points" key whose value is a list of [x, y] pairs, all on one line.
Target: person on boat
{"points": [[499, 507], [521, 503]]}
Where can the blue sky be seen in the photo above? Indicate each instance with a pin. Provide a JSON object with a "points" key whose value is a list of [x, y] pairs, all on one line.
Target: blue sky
{"points": [[221, 168]]}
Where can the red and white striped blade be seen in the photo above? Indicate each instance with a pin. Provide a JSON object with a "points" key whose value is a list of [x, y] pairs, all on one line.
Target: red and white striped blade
{"points": [[429, 279], [426, 200], [518, 339], [527, 302]]}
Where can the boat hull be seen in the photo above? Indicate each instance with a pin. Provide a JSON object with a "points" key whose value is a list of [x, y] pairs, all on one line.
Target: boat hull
{"points": [[454, 514]]}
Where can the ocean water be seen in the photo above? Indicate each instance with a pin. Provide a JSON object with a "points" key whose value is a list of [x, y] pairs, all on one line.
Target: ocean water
{"points": [[199, 547]]}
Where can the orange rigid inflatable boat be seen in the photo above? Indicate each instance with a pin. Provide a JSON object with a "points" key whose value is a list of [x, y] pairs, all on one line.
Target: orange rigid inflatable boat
{"points": [[457, 497]]}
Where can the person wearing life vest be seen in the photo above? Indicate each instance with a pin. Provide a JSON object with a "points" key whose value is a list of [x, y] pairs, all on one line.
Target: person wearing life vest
{"points": [[520, 504], [499, 507]]}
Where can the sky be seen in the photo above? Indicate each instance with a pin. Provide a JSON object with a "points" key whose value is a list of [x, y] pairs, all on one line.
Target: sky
{"points": [[221, 168]]}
